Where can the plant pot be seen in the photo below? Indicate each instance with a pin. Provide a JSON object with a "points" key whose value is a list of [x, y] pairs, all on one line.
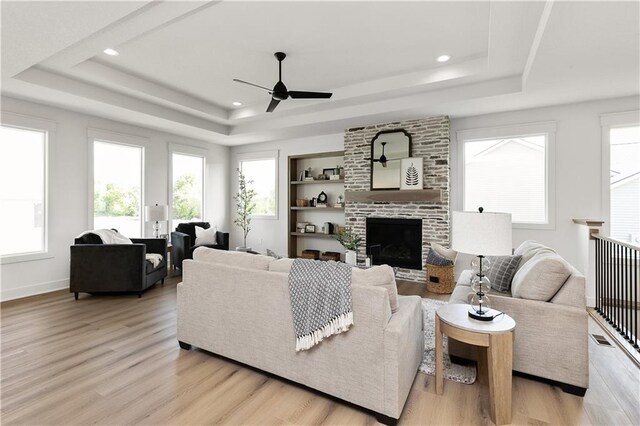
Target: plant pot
{"points": [[245, 249], [350, 257]]}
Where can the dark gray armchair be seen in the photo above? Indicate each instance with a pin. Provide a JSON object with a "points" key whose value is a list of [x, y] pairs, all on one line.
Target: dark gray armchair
{"points": [[106, 268], [183, 240]]}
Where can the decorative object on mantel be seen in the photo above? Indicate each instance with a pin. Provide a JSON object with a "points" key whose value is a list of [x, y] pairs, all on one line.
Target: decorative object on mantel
{"points": [[388, 147], [245, 206], [350, 241], [481, 234], [411, 173]]}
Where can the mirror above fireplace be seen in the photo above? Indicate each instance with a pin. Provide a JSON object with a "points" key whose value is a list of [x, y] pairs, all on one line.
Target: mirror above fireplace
{"points": [[388, 147]]}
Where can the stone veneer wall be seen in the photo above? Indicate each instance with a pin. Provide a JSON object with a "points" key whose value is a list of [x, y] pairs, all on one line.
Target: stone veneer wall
{"points": [[430, 140]]}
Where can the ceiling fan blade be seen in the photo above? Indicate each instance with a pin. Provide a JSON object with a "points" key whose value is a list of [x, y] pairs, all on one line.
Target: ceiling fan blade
{"points": [[295, 94], [272, 105], [251, 84]]}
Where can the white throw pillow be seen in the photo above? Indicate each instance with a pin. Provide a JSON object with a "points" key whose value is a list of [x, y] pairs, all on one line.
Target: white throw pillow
{"points": [[541, 277], [206, 237], [382, 276]]}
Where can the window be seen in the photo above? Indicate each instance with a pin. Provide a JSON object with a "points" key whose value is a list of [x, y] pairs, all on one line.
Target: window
{"points": [[23, 194], [260, 172], [117, 187], [509, 170], [624, 183], [187, 188]]}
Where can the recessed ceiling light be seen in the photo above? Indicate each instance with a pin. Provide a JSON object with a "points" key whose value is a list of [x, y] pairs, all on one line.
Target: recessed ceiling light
{"points": [[236, 103], [443, 58], [111, 52]]}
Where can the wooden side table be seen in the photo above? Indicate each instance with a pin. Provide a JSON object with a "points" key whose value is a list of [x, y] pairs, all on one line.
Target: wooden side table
{"points": [[495, 355]]}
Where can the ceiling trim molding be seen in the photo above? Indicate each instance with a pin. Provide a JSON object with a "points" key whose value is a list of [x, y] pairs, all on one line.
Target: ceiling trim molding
{"points": [[537, 39]]}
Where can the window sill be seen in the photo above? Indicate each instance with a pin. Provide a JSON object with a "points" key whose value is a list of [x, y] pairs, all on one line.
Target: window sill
{"points": [[17, 258], [538, 226]]}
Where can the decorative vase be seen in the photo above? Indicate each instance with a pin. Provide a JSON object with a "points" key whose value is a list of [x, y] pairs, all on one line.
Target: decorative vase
{"points": [[350, 257]]}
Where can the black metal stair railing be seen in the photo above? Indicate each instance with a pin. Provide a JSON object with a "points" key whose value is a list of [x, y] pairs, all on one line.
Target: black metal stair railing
{"points": [[617, 275]]}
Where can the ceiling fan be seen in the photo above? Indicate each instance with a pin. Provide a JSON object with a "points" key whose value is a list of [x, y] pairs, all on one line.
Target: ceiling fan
{"points": [[383, 160], [280, 91]]}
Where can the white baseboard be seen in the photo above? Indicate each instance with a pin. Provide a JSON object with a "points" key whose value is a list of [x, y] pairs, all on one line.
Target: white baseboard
{"points": [[32, 290]]}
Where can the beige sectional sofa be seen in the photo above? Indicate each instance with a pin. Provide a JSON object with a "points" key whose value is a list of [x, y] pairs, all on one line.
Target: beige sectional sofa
{"points": [[237, 305], [547, 301]]}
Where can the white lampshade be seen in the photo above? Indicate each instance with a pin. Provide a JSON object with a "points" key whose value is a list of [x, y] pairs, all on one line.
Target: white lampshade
{"points": [[156, 213], [487, 234]]}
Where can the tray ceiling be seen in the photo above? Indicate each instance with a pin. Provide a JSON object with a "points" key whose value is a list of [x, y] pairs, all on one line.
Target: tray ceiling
{"points": [[177, 60]]}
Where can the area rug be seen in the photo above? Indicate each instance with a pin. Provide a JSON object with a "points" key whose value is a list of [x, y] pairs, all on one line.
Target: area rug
{"points": [[458, 373]]}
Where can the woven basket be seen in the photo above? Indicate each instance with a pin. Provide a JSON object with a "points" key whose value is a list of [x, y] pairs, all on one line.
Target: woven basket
{"points": [[311, 254], [440, 279]]}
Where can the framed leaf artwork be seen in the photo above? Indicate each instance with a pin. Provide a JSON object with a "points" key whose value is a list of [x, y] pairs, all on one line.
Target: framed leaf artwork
{"points": [[411, 173]]}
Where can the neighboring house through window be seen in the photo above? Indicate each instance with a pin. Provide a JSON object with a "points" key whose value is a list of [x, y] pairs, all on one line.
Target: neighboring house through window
{"points": [[186, 184], [510, 170], [621, 185], [25, 144], [261, 172]]}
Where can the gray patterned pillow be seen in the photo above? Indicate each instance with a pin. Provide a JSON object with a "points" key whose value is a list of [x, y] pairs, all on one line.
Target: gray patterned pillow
{"points": [[503, 268], [436, 259]]}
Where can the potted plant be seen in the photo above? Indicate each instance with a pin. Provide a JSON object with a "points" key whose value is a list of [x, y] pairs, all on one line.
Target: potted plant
{"points": [[245, 206], [350, 241]]}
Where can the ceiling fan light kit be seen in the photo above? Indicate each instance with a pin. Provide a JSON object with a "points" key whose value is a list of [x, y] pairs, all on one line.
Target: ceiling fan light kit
{"points": [[280, 92]]}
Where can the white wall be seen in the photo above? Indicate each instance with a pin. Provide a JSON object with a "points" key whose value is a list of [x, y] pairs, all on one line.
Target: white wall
{"points": [[69, 197], [578, 168], [272, 233]]}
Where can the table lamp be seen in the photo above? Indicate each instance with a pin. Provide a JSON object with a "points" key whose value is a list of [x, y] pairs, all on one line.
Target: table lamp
{"points": [[156, 214], [482, 234]]}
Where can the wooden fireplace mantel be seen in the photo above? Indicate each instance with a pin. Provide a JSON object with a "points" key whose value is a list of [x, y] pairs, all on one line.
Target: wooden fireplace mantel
{"points": [[396, 196]]}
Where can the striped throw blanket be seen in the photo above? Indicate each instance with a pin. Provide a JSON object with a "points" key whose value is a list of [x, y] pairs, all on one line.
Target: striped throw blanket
{"points": [[320, 300]]}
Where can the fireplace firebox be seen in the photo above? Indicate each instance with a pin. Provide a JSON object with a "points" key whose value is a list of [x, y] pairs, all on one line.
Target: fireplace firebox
{"points": [[395, 242]]}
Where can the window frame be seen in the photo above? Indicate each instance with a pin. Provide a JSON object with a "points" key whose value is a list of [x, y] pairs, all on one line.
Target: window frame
{"points": [[193, 152], [49, 128], [262, 155], [607, 123], [546, 128], [105, 136]]}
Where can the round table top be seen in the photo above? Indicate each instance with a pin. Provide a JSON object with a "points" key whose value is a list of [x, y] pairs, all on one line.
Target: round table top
{"points": [[456, 315]]}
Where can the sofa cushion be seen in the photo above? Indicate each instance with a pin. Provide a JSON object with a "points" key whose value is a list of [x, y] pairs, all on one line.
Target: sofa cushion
{"points": [[530, 248], [378, 276], [541, 277], [502, 270], [233, 258]]}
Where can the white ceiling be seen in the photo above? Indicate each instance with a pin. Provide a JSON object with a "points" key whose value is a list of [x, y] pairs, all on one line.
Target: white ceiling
{"points": [[177, 60]]}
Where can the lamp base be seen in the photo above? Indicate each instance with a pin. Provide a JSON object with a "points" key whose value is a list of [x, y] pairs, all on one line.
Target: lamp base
{"points": [[486, 315]]}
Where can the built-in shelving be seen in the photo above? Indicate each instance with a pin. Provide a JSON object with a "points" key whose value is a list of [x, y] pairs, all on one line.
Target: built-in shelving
{"points": [[312, 182], [312, 235], [317, 208], [299, 189]]}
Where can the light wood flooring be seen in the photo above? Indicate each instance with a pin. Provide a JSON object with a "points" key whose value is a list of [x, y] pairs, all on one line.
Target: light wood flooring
{"points": [[115, 360]]}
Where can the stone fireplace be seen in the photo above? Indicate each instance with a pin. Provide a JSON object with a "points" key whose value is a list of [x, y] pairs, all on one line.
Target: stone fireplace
{"points": [[430, 140]]}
